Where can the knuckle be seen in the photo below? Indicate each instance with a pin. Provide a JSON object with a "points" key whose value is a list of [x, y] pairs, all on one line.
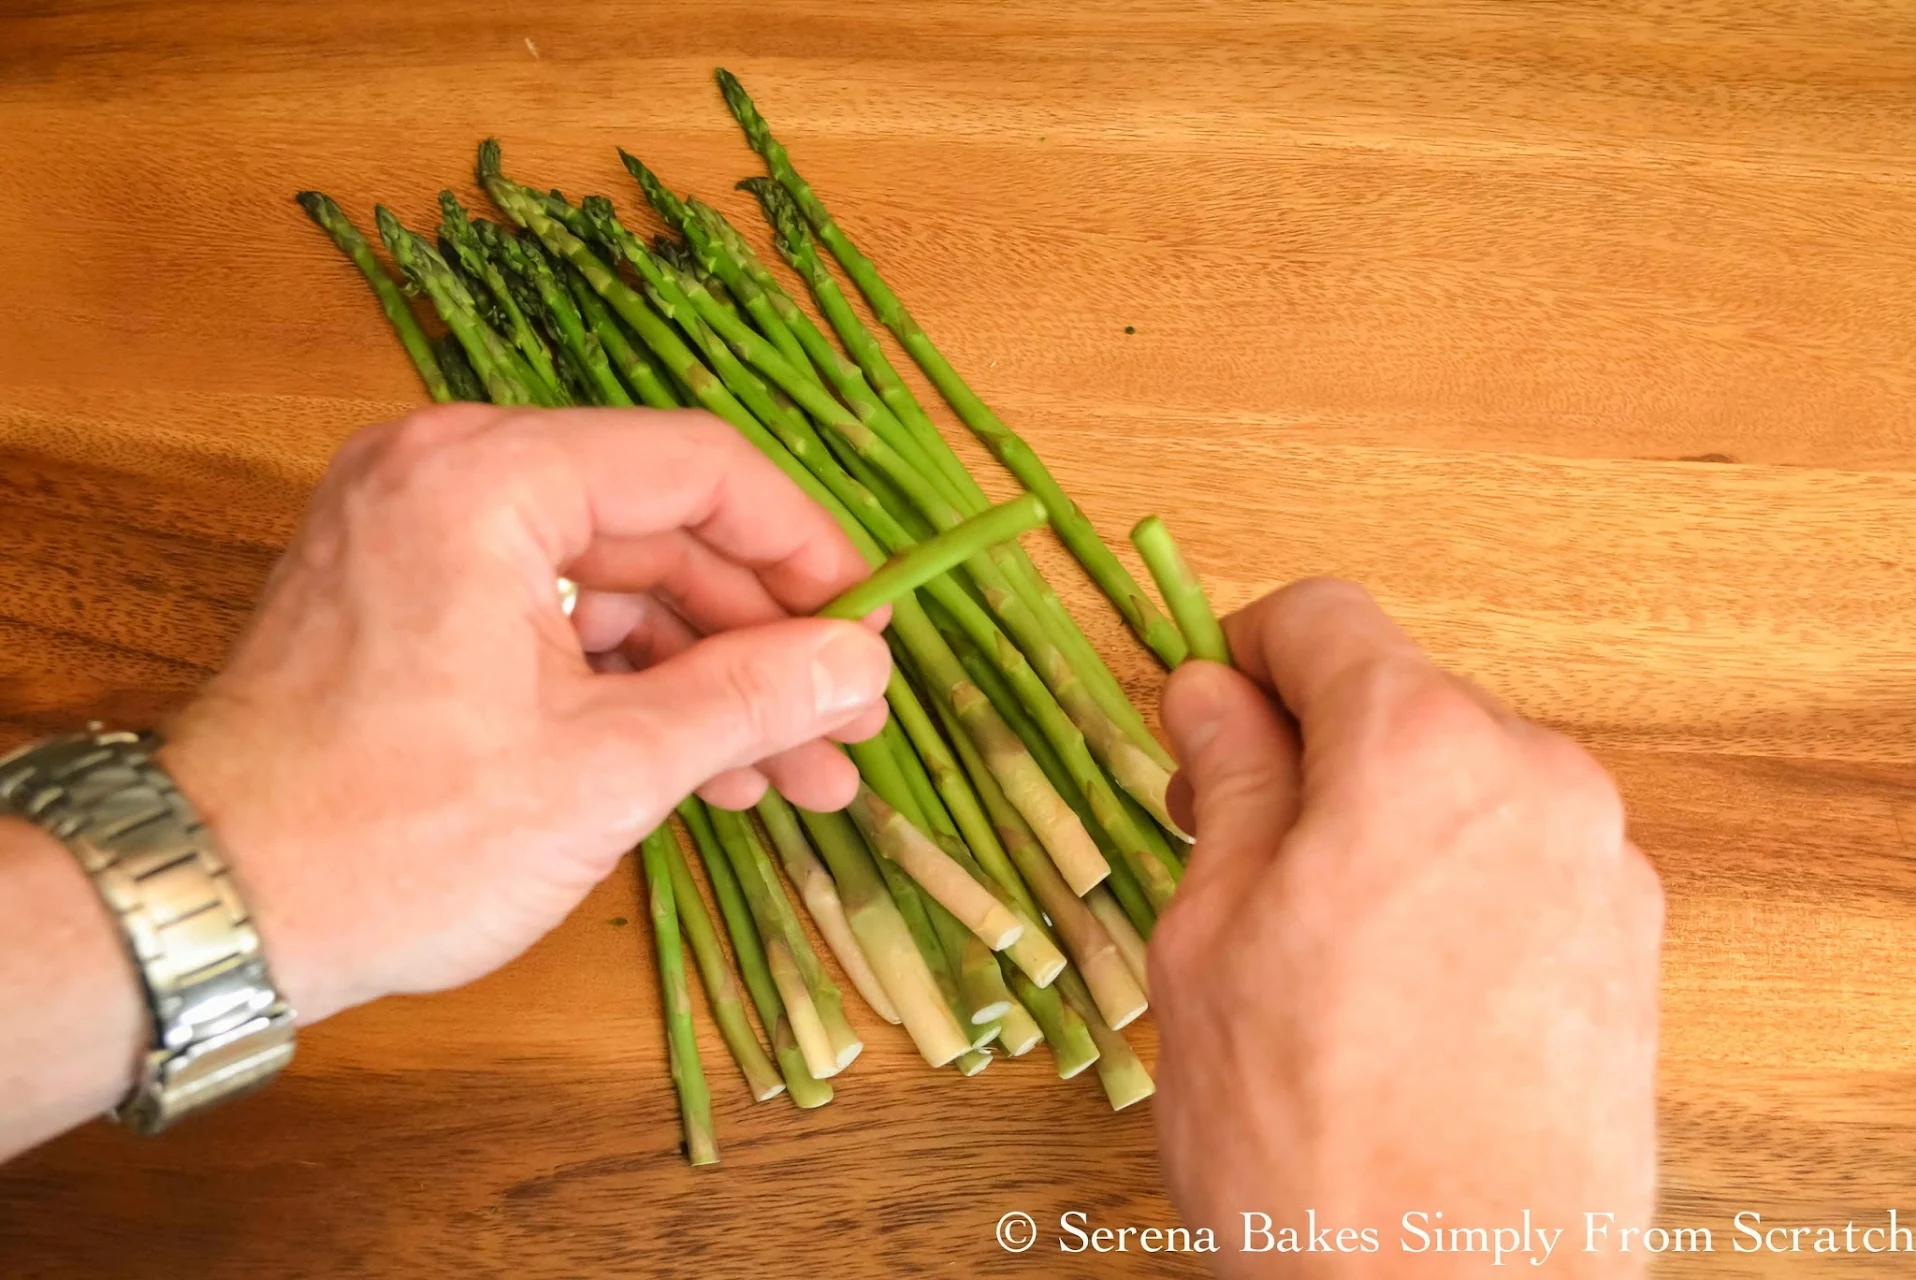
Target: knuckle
{"points": [[1583, 785], [1424, 722]]}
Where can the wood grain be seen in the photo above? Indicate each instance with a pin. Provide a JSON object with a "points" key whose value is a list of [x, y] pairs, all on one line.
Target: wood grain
{"points": [[1579, 331]]}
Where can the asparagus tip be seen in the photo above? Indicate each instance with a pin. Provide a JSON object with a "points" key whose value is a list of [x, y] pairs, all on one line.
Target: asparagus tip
{"points": [[488, 160], [318, 205]]}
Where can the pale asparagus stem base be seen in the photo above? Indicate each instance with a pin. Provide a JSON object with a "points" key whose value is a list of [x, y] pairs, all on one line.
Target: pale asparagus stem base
{"points": [[820, 896], [721, 992], [1029, 791], [1072, 1049], [1142, 777], [973, 1061], [1018, 1033], [806, 1090], [822, 1051], [1129, 945], [845, 1042], [1119, 996], [947, 882], [688, 1075], [886, 939], [1123, 1076]]}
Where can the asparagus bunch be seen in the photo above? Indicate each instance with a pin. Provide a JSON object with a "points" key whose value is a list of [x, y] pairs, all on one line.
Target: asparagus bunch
{"points": [[1010, 845]]}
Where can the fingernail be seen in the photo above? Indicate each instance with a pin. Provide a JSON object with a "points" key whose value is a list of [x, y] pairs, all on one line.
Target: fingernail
{"points": [[1193, 712], [849, 671]]}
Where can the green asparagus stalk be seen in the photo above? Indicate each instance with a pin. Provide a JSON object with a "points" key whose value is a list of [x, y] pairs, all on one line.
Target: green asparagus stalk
{"points": [[641, 371], [820, 895], [469, 251], [794, 241], [806, 1090], [492, 359], [1182, 591], [716, 260], [688, 1076], [906, 955], [928, 560], [721, 992], [527, 259], [458, 370], [781, 957], [1010, 449], [321, 209]]}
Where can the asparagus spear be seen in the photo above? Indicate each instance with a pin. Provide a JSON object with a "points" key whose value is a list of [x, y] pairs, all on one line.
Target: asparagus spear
{"points": [[1056, 825], [781, 957], [1130, 945], [695, 1101], [1182, 591], [814, 884], [794, 241], [713, 257], [492, 359], [806, 1090], [1086, 935], [527, 259], [1072, 1047], [938, 555], [1011, 450], [908, 959], [456, 230], [321, 209], [1018, 1033], [641, 372], [716, 973], [887, 831], [458, 370]]}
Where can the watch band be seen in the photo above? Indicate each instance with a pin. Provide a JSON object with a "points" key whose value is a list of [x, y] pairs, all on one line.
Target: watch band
{"points": [[220, 1027]]}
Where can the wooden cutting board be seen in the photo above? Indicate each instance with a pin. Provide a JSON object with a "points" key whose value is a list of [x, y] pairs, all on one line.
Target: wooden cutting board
{"points": [[1581, 332]]}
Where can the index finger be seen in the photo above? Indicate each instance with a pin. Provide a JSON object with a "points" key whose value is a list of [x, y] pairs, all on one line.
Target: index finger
{"points": [[616, 474]]}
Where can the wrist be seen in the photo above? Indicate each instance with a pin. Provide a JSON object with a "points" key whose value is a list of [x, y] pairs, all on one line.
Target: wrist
{"points": [[278, 881]]}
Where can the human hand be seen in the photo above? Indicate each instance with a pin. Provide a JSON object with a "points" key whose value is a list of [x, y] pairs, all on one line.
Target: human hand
{"points": [[1413, 965], [413, 764]]}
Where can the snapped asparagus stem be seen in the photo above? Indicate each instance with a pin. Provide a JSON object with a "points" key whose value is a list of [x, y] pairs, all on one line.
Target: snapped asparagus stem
{"points": [[886, 830], [1009, 448], [715, 971], [820, 895], [887, 939], [781, 957], [1183, 593], [321, 209], [936, 556], [688, 1075], [807, 1091]]}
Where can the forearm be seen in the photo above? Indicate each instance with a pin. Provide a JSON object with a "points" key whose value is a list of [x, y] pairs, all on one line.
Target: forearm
{"points": [[72, 1024]]}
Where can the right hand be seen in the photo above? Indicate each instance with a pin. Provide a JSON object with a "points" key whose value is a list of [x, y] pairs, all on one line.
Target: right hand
{"points": [[1413, 966]]}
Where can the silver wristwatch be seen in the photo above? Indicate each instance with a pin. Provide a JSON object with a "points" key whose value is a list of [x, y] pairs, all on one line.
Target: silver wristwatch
{"points": [[220, 1028]]}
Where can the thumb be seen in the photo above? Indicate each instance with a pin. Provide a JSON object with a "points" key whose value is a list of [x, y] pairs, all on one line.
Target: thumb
{"points": [[1238, 755], [736, 698]]}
